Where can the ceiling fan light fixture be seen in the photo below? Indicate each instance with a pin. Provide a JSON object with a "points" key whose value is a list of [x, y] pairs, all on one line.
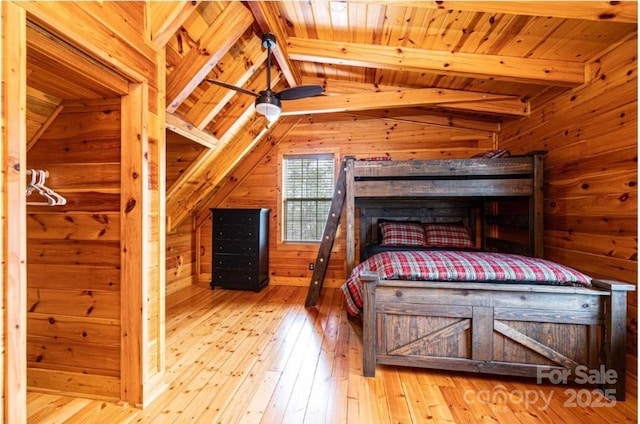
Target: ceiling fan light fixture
{"points": [[269, 105], [268, 102]]}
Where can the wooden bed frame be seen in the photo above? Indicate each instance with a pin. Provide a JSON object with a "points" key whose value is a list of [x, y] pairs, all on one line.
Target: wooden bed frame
{"points": [[515, 329]]}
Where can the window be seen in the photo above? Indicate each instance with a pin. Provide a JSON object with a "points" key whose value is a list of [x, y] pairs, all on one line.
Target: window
{"points": [[306, 195]]}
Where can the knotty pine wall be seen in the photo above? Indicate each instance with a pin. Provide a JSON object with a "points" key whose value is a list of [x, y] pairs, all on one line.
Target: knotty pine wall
{"points": [[341, 134], [591, 172], [181, 152], [181, 257], [73, 254]]}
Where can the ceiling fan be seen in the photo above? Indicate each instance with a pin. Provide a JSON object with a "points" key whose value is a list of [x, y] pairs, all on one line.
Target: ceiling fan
{"points": [[267, 101]]}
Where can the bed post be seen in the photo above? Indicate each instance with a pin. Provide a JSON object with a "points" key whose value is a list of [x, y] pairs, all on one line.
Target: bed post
{"points": [[536, 209], [615, 334], [351, 225], [369, 324]]}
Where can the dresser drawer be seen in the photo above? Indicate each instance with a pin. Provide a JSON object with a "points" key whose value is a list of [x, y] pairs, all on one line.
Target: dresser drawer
{"points": [[240, 247], [235, 279], [237, 232], [235, 217], [223, 261]]}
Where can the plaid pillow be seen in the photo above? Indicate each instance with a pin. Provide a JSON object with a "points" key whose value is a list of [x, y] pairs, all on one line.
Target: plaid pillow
{"points": [[447, 235], [401, 234]]}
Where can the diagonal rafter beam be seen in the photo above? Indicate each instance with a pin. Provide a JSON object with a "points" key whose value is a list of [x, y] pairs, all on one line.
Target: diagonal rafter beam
{"points": [[237, 175], [269, 20], [167, 17], [212, 166], [456, 99], [180, 126], [506, 68], [236, 72], [214, 43]]}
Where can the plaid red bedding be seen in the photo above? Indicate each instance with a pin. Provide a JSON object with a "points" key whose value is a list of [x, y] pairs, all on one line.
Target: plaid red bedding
{"points": [[446, 265]]}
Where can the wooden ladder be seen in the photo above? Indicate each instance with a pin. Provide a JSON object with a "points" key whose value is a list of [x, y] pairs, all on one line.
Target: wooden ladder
{"points": [[328, 237]]}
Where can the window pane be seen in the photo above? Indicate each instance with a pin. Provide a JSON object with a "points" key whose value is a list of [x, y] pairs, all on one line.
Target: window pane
{"points": [[307, 191]]}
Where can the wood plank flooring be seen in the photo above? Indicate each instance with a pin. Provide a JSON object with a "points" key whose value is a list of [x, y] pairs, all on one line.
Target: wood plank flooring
{"points": [[245, 357]]}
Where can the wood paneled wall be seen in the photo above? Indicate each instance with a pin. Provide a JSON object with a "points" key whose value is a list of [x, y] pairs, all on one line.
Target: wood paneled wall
{"points": [[73, 254], [181, 152], [181, 258], [591, 192], [341, 134]]}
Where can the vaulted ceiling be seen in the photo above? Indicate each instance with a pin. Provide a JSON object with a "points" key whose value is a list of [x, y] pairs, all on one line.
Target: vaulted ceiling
{"points": [[478, 58], [464, 64], [460, 64]]}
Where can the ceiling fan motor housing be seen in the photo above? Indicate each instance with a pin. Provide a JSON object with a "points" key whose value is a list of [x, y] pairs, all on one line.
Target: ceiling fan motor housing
{"points": [[268, 105]]}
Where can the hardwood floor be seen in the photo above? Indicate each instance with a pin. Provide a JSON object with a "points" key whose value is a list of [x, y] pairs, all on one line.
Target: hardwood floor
{"points": [[245, 357]]}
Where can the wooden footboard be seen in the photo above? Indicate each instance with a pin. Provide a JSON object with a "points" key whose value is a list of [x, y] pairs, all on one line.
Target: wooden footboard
{"points": [[554, 333]]}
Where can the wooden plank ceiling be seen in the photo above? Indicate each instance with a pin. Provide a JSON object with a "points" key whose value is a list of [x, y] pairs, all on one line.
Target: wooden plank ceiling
{"points": [[469, 65]]}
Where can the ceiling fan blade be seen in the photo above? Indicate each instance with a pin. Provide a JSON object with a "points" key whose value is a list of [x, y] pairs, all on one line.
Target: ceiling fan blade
{"points": [[299, 92], [231, 87]]}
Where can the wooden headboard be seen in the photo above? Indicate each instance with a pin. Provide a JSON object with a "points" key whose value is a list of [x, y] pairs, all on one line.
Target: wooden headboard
{"points": [[453, 190], [466, 212]]}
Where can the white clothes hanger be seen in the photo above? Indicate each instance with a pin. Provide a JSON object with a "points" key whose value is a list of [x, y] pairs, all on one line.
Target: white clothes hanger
{"points": [[33, 186], [59, 200], [37, 184]]}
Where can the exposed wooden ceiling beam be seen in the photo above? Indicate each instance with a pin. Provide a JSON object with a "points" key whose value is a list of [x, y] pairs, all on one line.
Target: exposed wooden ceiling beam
{"points": [[611, 11], [213, 45], [423, 115], [235, 72], [269, 20], [466, 100], [416, 115], [537, 71], [504, 107], [167, 17], [334, 86], [187, 130]]}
